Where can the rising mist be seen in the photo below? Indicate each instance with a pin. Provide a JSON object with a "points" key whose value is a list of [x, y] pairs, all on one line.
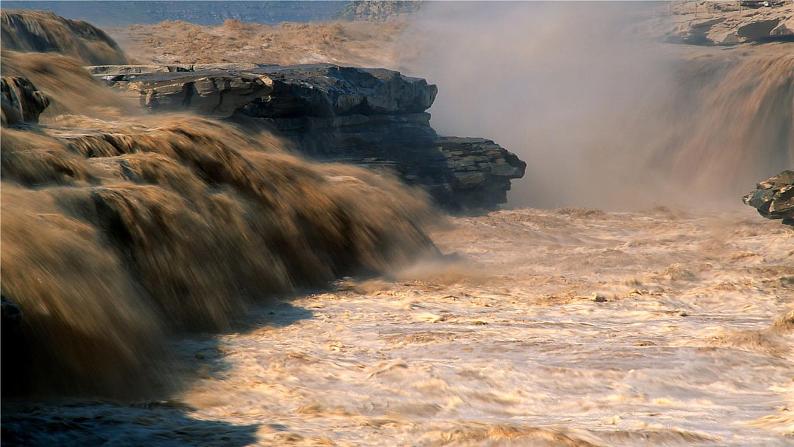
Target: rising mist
{"points": [[605, 113]]}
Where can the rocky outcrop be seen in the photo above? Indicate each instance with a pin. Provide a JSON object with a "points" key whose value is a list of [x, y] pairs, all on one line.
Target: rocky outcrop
{"points": [[21, 101], [378, 10], [371, 117], [40, 31], [730, 23], [207, 92], [774, 197], [481, 169], [321, 90]]}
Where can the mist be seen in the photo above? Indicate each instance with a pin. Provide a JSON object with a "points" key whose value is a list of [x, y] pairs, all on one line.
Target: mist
{"points": [[605, 113]]}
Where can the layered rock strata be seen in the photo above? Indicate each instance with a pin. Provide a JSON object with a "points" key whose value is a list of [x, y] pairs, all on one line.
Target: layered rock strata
{"points": [[774, 197], [371, 117]]}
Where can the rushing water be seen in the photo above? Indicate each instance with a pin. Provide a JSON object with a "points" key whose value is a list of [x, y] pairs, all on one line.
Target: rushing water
{"points": [[121, 233], [564, 327]]}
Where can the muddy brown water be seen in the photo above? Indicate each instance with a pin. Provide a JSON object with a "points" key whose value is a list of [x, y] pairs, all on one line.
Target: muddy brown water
{"points": [[549, 327]]}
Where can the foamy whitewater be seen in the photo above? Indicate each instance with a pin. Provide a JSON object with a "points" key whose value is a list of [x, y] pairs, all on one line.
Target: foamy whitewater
{"points": [[568, 327], [189, 281]]}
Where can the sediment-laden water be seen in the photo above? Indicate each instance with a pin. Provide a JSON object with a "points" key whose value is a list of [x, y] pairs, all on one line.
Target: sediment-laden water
{"points": [[546, 327]]}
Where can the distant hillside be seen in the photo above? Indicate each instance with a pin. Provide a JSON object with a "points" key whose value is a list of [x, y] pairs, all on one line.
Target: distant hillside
{"points": [[121, 13], [378, 10]]}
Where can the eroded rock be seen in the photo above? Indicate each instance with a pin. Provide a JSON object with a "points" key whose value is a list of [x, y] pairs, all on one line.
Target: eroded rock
{"points": [[774, 197], [481, 169], [208, 92], [371, 117], [21, 101], [322, 90], [730, 23]]}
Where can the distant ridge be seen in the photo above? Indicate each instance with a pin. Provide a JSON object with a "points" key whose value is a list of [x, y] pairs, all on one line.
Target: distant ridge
{"points": [[122, 13]]}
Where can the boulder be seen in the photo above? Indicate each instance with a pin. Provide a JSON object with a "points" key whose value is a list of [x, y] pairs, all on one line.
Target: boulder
{"points": [[21, 101], [774, 197]]}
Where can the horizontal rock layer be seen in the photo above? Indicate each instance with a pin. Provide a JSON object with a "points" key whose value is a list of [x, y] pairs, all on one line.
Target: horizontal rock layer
{"points": [[774, 197], [371, 117]]}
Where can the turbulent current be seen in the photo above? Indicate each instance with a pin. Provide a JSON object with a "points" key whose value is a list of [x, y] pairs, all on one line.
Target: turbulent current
{"points": [[118, 233], [184, 280], [567, 327]]}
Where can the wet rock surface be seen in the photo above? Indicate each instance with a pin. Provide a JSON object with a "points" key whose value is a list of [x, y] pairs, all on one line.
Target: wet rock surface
{"points": [[370, 117], [774, 197], [22, 102]]}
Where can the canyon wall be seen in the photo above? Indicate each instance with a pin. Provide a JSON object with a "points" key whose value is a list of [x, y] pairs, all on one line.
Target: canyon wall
{"points": [[369, 117]]}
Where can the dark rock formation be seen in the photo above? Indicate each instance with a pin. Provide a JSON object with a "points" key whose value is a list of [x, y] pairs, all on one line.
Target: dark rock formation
{"points": [[14, 348], [371, 117], [21, 101], [481, 169], [321, 90], [774, 197], [40, 31]]}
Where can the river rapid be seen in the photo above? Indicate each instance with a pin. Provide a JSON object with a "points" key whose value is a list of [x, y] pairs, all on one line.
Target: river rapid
{"points": [[566, 327]]}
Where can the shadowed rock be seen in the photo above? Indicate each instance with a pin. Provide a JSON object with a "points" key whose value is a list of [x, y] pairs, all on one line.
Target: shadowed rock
{"points": [[21, 101], [301, 90], [481, 169], [774, 197], [370, 117]]}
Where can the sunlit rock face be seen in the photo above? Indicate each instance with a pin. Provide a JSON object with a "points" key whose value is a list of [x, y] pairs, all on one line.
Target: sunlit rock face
{"points": [[731, 23], [774, 197], [371, 117]]}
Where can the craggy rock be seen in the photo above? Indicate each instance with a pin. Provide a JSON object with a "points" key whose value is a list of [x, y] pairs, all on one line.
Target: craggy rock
{"points": [[40, 31], [301, 90], [370, 117], [378, 10], [774, 197], [208, 92], [481, 169], [729, 23], [21, 101]]}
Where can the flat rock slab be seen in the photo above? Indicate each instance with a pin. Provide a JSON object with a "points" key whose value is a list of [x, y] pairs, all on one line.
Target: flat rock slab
{"points": [[300, 90]]}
